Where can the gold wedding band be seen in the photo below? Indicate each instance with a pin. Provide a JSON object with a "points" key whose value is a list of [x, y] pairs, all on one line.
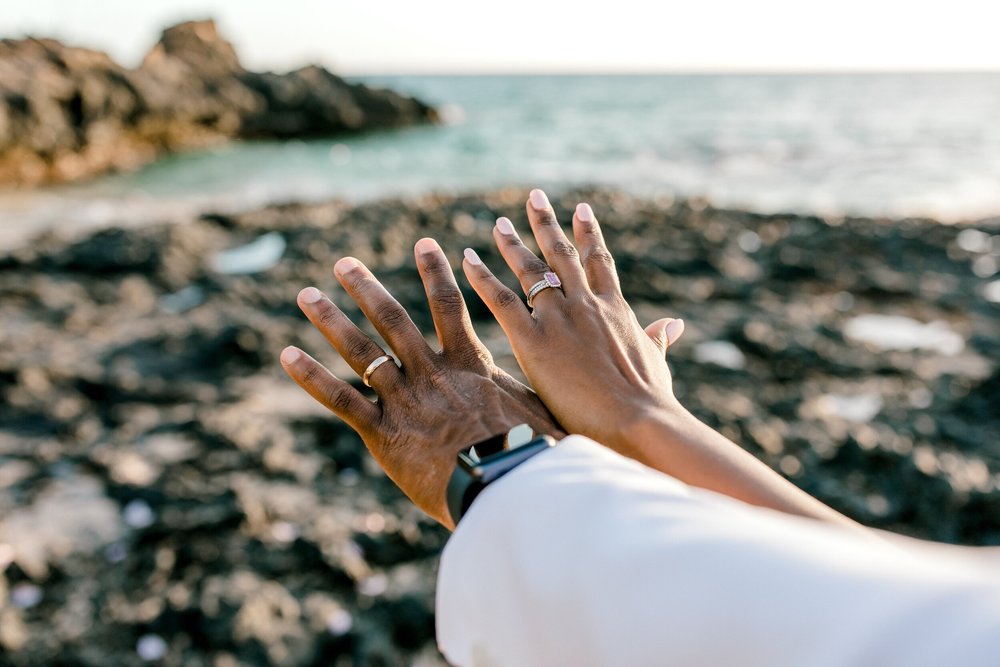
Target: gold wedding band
{"points": [[372, 366]]}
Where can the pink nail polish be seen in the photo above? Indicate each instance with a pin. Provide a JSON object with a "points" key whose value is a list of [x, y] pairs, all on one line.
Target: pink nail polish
{"points": [[538, 200], [426, 246], [584, 212], [290, 355], [346, 265], [310, 295], [674, 330], [472, 258], [505, 226]]}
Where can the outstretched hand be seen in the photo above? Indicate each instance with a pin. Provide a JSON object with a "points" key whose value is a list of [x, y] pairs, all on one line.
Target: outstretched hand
{"points": [[604, 376], [581, 347], [434, 403]]}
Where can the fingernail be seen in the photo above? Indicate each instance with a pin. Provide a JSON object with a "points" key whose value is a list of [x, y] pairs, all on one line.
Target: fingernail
{"points": [[584, 212], [674, 330], [346, 265], [426, 246], [290, 355], [538, 200], [505, 226], [472, 258], [310, 295]]}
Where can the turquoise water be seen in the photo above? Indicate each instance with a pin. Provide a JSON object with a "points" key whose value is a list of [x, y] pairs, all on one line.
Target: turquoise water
{"points": [[894, 144]]}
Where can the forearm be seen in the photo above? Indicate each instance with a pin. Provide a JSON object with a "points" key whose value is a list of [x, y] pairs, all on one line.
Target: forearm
{"points": [[682, 446]]}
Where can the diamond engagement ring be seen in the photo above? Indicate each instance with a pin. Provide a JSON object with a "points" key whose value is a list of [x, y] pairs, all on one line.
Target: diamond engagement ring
{"points": [[549, 279], [372, 366]]}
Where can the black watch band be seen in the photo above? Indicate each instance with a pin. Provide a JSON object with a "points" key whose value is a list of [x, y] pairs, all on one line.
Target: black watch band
{"points": [[486, 462]]}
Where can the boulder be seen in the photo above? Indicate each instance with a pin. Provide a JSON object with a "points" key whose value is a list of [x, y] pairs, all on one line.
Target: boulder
{"points": [[70, 113]]}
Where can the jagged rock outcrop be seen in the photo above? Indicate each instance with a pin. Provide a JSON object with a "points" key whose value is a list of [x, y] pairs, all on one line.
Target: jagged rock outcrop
{"points": [[70, 113]]}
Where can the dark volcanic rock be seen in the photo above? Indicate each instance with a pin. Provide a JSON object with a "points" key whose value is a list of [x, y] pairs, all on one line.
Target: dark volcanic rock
{"points": [[69, 113], [163, 486]]}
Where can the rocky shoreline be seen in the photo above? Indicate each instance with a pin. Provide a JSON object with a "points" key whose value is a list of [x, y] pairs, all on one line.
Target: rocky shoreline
{"points": [[167, 495], [68, 113]]}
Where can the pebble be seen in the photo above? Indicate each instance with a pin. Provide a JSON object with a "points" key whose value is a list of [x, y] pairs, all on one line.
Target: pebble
{"points": [[896, 332], [25, 595], [259, 255], [151, 647], [721, 353], [138, 514]]}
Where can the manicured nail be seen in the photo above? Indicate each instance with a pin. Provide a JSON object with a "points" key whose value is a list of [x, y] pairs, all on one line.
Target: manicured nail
{"points": [[538, 200], [290, 355], [472, 258], [310, 295], [505, 226], [584, 212], [426, 246], [346, 265], [674, 330]]}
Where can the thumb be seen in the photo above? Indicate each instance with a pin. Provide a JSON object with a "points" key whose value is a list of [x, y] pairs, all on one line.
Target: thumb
{"points": [[665, 332]]}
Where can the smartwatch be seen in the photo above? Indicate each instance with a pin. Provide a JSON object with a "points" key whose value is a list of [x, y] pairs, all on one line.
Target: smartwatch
{"points": [[489, 460]]}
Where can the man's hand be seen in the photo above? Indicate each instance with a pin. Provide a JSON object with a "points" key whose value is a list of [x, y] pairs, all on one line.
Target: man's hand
{"points": [[434, 403]]}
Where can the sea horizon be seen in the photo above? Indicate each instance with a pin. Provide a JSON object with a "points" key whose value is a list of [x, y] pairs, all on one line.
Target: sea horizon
{"points": [[905, 144]]}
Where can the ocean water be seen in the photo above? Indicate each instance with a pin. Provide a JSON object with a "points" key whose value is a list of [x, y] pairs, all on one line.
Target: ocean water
{"points": [[873, 144]]}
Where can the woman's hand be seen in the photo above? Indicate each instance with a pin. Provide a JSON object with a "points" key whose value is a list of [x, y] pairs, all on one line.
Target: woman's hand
{"points": [[603, 375], [431, 406], [582, 348]]}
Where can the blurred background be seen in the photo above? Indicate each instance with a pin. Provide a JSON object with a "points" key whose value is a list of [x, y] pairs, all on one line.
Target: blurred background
{"points": [[814, 189]]}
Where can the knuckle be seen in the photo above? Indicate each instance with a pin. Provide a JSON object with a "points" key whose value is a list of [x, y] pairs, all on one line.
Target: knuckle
{"points": [[390, 315], [436, 267], [329, 317], [533, 265], [336, 398], [513, 241], [447, 301], [547, 219], [564, 249], [600, 256], [357, 281], [360, 348], [311, 376], [505, 298]]}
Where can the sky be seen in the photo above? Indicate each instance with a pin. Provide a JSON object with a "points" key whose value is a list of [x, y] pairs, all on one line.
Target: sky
{"points": [[360, 37]]}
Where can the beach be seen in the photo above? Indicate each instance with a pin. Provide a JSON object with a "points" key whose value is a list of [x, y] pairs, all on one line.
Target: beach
{"points": [[167, 489], [169, 496]]}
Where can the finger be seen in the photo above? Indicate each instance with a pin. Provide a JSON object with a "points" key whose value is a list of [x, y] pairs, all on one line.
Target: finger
{"points": [[665, 332], [357, 349], [504, 303], [657, 332], [556, 248], [597, 261], [527, 267], [451, 317], [388, 317], [336, 395]]}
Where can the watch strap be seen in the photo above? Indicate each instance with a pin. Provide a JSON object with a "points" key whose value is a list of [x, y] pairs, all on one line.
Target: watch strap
{"points": [[470, 477]]}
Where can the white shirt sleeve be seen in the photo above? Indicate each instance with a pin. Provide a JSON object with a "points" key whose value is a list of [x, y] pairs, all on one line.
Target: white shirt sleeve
{"points": [[583, 557]]}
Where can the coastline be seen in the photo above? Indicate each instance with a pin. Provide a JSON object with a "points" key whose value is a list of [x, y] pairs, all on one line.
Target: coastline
{"points": [[144, 405]]}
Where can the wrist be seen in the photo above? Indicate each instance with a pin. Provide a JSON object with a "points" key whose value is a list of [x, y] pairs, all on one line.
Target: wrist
{"points": [[646, 436]]}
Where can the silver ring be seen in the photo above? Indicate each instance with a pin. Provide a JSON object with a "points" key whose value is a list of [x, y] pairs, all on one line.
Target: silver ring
{"points": [[549, 279], [372, 366]]}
